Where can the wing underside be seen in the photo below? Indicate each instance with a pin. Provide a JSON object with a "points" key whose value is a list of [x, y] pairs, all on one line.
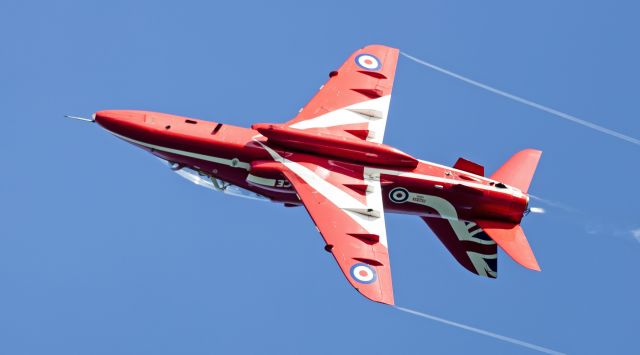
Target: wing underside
{"points": [[345, 203], [354, 102], [345, 200]]}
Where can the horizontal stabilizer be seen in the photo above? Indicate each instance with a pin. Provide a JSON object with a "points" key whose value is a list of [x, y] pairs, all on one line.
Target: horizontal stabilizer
{"points": [[518, 171], [512, 240], [468, 244]]}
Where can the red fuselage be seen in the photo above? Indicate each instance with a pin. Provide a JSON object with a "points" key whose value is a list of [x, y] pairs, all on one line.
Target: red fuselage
{"points": [[234, 154]]}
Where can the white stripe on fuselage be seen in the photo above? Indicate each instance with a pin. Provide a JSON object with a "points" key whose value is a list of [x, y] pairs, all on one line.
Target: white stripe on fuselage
{"points": [[371, 170], [230, 162], [447, 211]]}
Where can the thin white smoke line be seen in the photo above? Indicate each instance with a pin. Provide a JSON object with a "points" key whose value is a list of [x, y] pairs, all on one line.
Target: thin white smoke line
{"points": [[554, 204], [592, 225], [482, 332], [521, 100]]}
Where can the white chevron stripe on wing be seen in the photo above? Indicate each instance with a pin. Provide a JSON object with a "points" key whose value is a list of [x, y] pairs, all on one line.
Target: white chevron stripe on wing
{"points": [[369, 216], [372, 112]]}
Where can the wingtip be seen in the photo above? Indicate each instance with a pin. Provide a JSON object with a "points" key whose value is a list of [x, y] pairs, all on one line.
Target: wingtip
{"points": [[388, 302], [377, 295], [534, 267], [526, 257]]}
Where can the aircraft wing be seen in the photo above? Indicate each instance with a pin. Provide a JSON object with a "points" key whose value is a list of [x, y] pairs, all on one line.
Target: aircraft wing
{"points": [[354, 102], [345, 203]]}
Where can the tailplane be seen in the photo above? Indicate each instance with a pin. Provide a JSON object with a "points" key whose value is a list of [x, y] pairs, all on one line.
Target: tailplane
{"points": [[518, 171], [474, 243], [510, 237], [468, 244]]}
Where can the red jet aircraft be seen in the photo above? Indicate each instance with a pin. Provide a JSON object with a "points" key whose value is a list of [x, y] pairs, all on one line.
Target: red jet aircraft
{"points": [[330, 158]]}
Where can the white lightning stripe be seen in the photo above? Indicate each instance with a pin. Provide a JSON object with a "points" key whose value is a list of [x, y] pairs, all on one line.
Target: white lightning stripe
{"points": [[446, 210], [338, 197], [480, 264], [346, 115], [482, 332], [461, 229], [229, 162], [475, 232]]}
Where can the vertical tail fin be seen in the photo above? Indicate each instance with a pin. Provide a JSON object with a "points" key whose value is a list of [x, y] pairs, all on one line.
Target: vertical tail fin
{"points": [[468, 244], [474, 244], [518, 170]]}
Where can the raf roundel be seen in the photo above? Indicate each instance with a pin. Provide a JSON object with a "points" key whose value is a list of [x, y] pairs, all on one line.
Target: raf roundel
{"points": [[363, 273], [368, 61], [399, 195]]}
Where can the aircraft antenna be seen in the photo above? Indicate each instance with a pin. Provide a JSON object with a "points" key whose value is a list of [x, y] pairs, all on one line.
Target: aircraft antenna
{"points": [[92, 119]]}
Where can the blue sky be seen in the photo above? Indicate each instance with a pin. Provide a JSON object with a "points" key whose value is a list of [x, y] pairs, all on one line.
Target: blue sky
{"points": [[105, 251]]}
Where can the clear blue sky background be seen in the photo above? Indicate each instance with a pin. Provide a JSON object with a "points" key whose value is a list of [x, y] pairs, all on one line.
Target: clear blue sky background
{"points": [[105, 251]]}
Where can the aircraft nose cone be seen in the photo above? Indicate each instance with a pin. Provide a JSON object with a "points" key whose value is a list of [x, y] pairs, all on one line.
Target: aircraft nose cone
{"points": [[113, 116], [120, 121]]}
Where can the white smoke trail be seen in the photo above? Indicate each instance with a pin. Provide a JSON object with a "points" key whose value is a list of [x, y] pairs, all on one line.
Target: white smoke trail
{"points": [[482, 332], [592, 225], [554, 204], [521, 100]]}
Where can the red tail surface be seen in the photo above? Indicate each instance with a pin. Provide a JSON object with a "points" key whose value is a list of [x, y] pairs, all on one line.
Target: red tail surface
{"points": [[512, 240], [518, 171]]}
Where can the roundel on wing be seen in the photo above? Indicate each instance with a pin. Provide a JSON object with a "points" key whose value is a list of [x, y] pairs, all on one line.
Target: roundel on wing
{"points": [[368, 61], [363, 273], [399, 195]]}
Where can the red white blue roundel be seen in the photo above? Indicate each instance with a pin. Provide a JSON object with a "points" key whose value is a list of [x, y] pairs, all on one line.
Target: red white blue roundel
{"points": [[368, 61], [363, 273]]}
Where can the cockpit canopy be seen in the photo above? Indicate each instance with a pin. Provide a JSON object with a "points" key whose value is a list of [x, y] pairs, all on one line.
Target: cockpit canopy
{"points": [[213, 183]]}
